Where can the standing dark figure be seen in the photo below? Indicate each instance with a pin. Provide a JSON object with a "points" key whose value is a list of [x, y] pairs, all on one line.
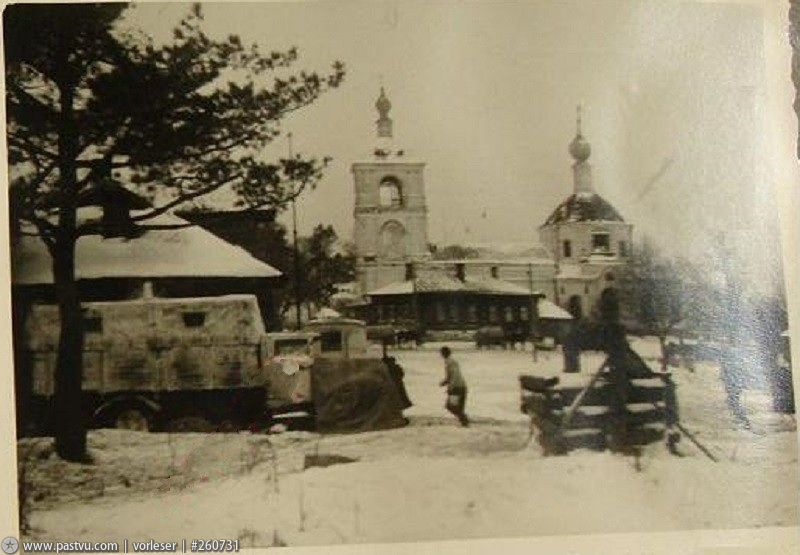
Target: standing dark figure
{"points": [[615, 344], [572, 349], [396, 373], [456, 387]]}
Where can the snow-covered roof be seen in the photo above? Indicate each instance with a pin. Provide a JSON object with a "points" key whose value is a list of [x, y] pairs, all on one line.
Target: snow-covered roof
{"points": [[441, 283], [344, 296], [333, 320], [395, 288], [494, 286], [551, 311], [184, 252], [326, 313], [515, 261], [220, 299]]}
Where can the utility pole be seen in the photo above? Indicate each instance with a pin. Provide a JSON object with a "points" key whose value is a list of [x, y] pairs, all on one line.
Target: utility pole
{"points": [[532, 313], [295, 245]]}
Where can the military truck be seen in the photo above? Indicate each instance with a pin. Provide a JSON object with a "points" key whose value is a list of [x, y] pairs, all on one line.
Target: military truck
{"points": [[207, 363], [335, 379]]}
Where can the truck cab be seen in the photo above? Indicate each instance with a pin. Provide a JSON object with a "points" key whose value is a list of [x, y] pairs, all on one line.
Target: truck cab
{"points": [[340, 338]]}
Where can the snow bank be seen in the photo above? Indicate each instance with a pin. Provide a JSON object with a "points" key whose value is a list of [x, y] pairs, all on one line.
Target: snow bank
{"points": [[444, 498]]}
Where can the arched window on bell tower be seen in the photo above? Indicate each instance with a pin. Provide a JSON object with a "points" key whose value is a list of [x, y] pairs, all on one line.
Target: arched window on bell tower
{"points": [[390, 192]]}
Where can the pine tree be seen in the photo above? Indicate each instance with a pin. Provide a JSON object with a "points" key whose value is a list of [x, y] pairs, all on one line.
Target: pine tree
{"points": [[86, 97]]}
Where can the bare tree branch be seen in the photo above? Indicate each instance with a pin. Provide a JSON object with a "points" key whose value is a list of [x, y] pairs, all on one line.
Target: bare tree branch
{"points": [[184, 198]]}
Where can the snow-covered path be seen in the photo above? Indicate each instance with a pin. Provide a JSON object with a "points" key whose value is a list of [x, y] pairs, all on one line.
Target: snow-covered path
{"points": [[492, 377]]}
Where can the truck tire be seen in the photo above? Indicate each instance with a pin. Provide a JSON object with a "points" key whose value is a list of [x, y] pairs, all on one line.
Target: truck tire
{"points": [[134, 418]]}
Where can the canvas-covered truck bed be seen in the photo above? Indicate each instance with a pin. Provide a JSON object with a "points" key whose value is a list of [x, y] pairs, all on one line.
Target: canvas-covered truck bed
{"points": [[355, 395], [154, 361]]}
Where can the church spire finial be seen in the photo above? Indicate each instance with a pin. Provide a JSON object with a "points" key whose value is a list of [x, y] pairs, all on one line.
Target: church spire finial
{"points": [[384, 122], [580, 149]]}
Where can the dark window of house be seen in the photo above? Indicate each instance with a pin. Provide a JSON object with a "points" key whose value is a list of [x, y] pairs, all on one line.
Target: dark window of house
{"points": [[93, 324], [472, 313], [586, 289], [390, 309], [453, 312], [601, 242], [509, 313], [567, 249], [440, 312], [194, 319], [495, 272], [369, 259], [492, 314], [523, 313], [331, 341], [460, 272], [291, 347], [623, 248], [410, 274]]}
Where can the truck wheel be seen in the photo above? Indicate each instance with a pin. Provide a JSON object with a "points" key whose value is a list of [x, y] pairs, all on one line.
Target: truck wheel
{"points": [[133, 418]]}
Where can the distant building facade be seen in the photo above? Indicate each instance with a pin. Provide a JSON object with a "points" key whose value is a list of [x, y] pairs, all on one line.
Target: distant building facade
{"points": [[443, 296]]}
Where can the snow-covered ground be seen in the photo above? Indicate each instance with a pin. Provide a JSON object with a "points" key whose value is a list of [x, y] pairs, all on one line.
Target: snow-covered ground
{"points": [[431, 480]]}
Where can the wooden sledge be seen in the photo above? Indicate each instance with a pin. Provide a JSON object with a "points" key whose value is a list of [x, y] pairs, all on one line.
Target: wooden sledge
{"points": [[570, 412]]}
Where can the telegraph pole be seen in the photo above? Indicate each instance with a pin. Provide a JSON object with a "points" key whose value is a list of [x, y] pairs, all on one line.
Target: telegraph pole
{"points": [[295, 245], [532, 313]]}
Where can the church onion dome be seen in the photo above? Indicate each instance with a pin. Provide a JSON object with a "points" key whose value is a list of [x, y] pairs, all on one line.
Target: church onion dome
{"points": [[581, 207], [580, 149]]}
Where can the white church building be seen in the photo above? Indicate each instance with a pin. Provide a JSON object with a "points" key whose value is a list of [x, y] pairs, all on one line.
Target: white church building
{"points": [[581, 247]]}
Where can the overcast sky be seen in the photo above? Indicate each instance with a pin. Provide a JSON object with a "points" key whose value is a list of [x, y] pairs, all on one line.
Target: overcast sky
{"points": [[485, 93]]}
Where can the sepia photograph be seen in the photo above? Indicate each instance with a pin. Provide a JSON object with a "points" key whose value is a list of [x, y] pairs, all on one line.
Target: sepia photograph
{"points": [[295, 274]]}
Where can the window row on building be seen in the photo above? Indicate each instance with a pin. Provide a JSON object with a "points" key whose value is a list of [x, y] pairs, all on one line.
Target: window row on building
{"points": [[443, 312]]}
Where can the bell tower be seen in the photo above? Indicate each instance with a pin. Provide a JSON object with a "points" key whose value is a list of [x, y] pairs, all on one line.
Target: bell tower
{"points": [[391, 216]]}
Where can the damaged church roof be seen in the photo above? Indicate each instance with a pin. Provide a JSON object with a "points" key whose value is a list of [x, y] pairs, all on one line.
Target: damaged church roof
{"points": [[584, 207], [183, 252]]}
